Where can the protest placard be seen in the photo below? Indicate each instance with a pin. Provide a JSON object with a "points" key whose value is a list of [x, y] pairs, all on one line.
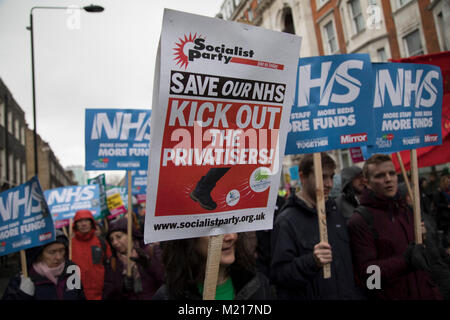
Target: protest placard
{"points": [[407, 107], [222, 97], [64, 202], [117, 139], [101, 181], [332, 107], [115, 202], [407, 115], [25, 219]]}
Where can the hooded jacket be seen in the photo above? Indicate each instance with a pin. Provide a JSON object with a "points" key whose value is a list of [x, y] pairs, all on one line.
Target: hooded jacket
{"points": [[248, 286], [347, 201], [293, 269], [88, 254], [151, 274], [393, 222], [44, 288]]}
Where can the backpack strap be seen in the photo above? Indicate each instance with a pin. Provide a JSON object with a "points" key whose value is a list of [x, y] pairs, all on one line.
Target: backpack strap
{"points": [[103, 244], [367, 215]]}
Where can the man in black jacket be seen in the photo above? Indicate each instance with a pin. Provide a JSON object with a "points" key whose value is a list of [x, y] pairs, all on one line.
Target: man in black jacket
{"points": [[352, 187], [298, 255]]}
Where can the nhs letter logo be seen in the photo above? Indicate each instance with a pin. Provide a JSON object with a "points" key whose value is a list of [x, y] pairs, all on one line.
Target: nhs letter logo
{"points": [[333, 104], [334, 87], [406, 86], [119, 125], [117, 139]]}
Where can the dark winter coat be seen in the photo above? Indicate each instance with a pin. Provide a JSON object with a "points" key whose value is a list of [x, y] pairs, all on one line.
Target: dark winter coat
{"points": [[247, 285], [294, 270], [393, 222], [347, 201], [44, 288]]}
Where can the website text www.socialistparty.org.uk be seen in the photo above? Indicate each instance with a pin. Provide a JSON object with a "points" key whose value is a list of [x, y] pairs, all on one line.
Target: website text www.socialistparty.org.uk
{"points": [[209, 222]]}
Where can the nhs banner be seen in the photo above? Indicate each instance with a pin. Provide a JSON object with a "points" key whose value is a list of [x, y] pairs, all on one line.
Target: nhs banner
{"points": [[407, 107], [66, 201], [25, 219], [117, 139], [138, 182], [332, 108]]}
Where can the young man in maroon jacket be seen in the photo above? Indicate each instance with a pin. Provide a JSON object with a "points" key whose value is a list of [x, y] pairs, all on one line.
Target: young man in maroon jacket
{"points": [[384, 237]]}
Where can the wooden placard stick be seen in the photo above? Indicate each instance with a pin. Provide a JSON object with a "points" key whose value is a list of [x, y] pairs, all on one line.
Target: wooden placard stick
{"points": [[70, 237], [320, 204], [23, 262], [416, 197], [212, 267], [129, 226], [405, 176]]}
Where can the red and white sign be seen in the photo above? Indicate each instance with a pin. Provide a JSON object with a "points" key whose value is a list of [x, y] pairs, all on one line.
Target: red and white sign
{"points": [[222, 98]]}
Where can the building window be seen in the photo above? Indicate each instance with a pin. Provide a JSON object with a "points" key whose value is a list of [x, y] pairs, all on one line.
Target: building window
{"points": [[10, 125], [2, 114], [320, 3], [413, 44], [11, 168], [17, 129], [381, 53], [331, 37], [356, 15], [22, 135], [401, 3], [18, 171], [2, 164], [24, 172], [442, 31], [288, 22]]}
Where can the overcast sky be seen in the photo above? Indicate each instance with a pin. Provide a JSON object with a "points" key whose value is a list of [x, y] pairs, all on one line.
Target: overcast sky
{"points": [[83, 60]]}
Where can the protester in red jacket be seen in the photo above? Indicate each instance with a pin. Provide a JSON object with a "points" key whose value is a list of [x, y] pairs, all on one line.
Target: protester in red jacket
{"points": [[384, 238], [90, 253]]}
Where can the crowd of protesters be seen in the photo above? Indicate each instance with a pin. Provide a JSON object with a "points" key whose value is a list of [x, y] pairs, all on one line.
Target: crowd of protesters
{"points": [[370, 227]]}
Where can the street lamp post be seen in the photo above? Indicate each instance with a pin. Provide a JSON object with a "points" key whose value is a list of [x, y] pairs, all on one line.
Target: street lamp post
{"points": [[92, 9]]}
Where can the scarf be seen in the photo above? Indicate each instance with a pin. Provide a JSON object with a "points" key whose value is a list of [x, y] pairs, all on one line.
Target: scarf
{"points": [[51, 274]]}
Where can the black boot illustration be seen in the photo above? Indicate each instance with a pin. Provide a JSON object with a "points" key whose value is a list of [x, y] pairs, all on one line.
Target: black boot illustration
{"points": [[202, 191]]}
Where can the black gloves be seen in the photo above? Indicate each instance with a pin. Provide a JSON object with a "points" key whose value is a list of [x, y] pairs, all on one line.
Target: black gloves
{"points": [[416, 257], [143, 258]]}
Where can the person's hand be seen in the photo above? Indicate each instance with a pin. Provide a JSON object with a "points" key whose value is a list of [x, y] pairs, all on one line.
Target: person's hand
{"points": [[140, 256], [416, 257], [322, 254], [128, 284], [26, 285]]}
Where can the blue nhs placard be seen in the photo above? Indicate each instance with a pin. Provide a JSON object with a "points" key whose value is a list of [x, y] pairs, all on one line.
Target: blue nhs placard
{"points": [[332, 107], [407, 106], [25, 219], [117, 139], [66, 201]]}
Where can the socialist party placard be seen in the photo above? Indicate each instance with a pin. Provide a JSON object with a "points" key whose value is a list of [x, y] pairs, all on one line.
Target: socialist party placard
{"points": [[64, 202], [222, 96], [25, 219], [117, 139], [332, 108], [407, 107]]}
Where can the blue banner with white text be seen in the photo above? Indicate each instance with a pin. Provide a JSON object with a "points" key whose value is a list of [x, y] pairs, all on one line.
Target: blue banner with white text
{"points": [[332, 107], [25, 219], [117, 139]]}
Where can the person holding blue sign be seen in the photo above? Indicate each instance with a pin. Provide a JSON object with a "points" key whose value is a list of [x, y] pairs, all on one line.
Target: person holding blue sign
{"points": [[51, 275], [297, 253], [382, 235]]}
